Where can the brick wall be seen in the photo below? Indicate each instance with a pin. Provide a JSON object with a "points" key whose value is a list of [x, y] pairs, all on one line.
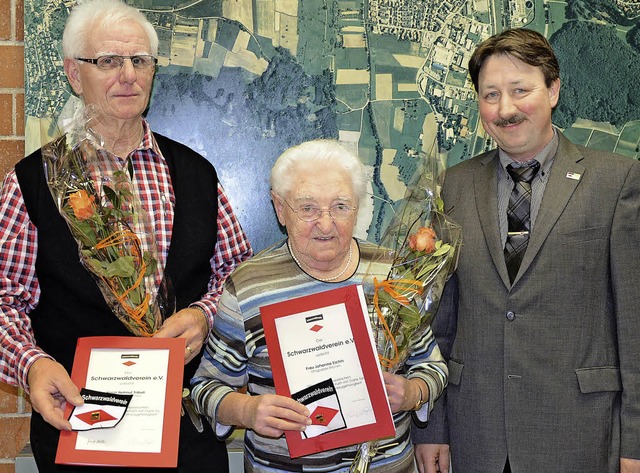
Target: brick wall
{"points": [[14, 407]]}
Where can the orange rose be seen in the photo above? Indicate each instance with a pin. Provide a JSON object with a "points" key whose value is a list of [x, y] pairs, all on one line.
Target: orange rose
{"points": [[82, 204], [423, 240]]}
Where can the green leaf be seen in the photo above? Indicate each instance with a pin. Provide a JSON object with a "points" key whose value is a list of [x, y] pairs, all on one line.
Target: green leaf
{"points": [[409, 275], [112, 195], [84, 231], [123, 267], [430, 267], [151, 263], [135, 297], [410, 315], [443, 250], [384, 297], [97, 267]]}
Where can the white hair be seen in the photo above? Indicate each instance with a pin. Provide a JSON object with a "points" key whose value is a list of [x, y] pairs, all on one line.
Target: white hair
{"points": [[315, 156], [86, 16]]}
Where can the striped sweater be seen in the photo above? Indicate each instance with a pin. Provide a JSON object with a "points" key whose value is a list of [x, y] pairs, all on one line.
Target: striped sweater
{"points": [[236, 355]]}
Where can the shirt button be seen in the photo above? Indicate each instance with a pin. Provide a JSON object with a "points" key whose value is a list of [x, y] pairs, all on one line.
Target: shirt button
{"points": [[511, 316]]}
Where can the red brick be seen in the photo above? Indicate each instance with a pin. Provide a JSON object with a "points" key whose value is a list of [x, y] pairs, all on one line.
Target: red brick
{"points": [[6, 114], [5, 20], [19, 111], [11, 66], [11, 151], [7, 468], [16, 435], [8, 399], [26, 402], [19, 20]]}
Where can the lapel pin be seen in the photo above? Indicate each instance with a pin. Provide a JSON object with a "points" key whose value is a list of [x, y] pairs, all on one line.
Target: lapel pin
{"points": [[573, 175]]}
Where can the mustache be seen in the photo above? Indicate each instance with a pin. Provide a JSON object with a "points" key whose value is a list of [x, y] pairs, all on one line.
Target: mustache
{"points": [[512, 120]]}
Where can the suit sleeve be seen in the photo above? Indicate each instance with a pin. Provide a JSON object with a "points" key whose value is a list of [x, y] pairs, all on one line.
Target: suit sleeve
{"points": [[625, 275], [444, 329]]}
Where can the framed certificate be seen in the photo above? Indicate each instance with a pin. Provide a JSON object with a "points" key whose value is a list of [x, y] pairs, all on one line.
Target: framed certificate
{"points": [[132, 388], [322, 355]]}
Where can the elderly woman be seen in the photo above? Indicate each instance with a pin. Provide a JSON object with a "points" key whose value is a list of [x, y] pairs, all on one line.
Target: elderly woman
{"points": [[316, 191]]}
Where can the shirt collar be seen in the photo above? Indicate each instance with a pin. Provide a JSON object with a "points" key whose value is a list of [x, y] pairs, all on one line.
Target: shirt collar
{"points": [[544, 157], [148, 140]]}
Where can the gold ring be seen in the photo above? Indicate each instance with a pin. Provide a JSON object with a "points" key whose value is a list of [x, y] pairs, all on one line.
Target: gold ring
{"points": [[190, 350]]}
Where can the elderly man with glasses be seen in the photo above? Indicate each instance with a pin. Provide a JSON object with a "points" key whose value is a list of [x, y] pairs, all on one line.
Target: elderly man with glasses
{"points": [[49, 299]]}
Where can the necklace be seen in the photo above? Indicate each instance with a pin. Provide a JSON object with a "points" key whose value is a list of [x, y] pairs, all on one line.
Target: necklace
{"points": [[332, 278]]}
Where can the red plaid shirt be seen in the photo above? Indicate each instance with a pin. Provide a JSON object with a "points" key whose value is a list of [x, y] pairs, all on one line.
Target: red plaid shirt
{"points": [[19, 287]]}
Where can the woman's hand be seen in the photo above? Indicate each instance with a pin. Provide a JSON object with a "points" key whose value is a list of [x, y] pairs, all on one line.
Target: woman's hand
{"points": [[271, 415], [404, 394], [267, 414]]}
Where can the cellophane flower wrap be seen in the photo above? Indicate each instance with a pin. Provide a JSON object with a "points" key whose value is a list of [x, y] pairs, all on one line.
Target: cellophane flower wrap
{"points": [[93, 192], [424, 245]]}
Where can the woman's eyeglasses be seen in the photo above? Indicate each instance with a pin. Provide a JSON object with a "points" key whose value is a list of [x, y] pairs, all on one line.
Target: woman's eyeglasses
{"points": [[310, 213]]}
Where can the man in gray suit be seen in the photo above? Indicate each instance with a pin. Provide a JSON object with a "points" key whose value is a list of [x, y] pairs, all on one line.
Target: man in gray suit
{"points": [[544, 362]]}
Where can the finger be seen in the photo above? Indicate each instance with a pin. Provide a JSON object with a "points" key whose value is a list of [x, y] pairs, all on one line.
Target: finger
{"points": [[51, 409], [69, 392], [55, 417], [431, 468], [293, 415], [275, 426], [288, 424], [444, 463], [269, 432], [189, 354], [290, 407], [171, 328]]}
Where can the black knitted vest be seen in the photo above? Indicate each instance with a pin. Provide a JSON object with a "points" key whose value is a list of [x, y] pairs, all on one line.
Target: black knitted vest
{"points": [[71, 305]]}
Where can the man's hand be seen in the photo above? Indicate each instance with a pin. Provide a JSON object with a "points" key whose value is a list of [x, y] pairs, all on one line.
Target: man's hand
{"points": [[50, 388], [190, 324], [432, 458], [629, 465]]}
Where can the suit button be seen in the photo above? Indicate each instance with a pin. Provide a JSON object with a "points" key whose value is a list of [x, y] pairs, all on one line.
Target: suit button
{"points": [[511, 316]]}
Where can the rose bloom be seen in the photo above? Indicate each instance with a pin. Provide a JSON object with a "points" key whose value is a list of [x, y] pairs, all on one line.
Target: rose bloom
{"points": [[82, 204], [423, 240]]}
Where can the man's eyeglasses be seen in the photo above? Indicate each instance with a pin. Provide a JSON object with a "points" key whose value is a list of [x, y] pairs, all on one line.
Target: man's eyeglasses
{"points": [[310, 213], [113, 61]]}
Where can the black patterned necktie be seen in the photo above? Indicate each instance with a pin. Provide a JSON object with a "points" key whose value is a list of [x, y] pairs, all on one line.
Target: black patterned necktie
{"points": [[519, 215]]}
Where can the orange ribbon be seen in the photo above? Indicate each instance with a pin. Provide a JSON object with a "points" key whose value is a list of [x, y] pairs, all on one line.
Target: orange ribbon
{"points": [[138, 312], [395, 288]]}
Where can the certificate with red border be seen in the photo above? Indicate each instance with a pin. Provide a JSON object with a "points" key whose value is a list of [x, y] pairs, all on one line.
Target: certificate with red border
{"points": [[148, 369], [322, 354]]}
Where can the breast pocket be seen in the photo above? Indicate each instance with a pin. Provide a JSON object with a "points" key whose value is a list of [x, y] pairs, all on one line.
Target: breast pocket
{"points": [[582, 235]]}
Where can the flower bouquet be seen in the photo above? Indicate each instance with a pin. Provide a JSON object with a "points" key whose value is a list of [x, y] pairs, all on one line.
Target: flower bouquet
{"points": [[94, 194], [423, 243]]}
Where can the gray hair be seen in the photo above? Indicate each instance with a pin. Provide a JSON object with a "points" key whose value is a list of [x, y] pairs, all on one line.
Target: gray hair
{"points": [[315, 155], [87, 15]]}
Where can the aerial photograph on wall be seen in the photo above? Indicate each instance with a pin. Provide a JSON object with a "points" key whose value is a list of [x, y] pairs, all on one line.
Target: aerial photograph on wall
{"points": [[239, 81]]}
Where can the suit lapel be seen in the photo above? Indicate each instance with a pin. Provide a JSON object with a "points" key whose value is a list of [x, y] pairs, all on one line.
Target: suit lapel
{"points": [[557, 193], [486, 194]]}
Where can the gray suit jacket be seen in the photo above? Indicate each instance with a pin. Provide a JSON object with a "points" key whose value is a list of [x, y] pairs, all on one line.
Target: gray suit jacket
{"points": [[547, 370]]}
